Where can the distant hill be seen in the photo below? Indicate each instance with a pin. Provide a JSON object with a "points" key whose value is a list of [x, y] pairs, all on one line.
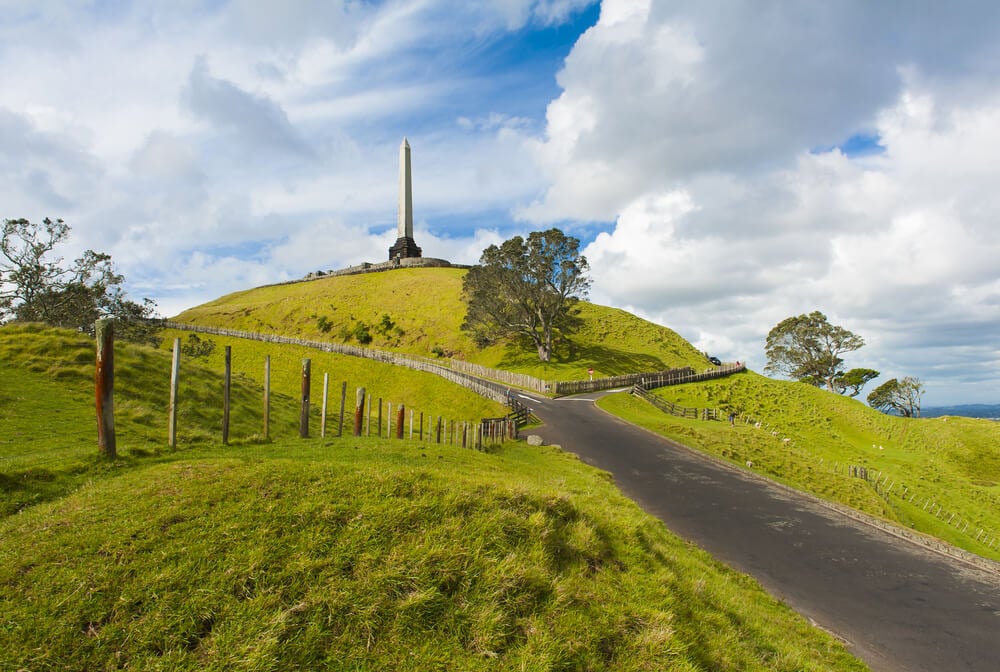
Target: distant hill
{"points": [[988, 411]]}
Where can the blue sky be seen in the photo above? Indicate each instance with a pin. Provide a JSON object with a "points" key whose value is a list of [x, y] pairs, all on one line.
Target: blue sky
{"points": [[726, 164]]}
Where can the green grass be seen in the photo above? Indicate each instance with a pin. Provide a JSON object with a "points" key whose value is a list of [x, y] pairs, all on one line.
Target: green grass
{"points": [[954, 462], [49, 437], [353, 554], [426, 307], [417, 391]]}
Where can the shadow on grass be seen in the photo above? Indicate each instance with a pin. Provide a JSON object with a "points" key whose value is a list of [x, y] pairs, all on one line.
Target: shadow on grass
{"points": [[520, 353]]}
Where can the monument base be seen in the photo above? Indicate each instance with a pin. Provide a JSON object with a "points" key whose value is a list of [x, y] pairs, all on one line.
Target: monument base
{"points": [[404, 248]]}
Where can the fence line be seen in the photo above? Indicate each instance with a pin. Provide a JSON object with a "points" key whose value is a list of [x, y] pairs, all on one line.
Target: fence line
{"points": [[472, 375], [675, 409], [487, 427]]}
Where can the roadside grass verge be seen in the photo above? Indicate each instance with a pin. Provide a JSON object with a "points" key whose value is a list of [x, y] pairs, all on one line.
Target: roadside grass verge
{"points": [[952, 462], [369, 556]]}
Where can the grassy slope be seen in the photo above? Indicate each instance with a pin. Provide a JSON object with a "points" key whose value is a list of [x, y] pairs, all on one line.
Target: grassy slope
{"points": [[955, 462], [344, 554], [425, 304]]}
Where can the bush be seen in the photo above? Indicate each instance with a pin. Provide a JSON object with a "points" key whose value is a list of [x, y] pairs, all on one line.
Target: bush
{"points": [[362, 333], [195, 347]]}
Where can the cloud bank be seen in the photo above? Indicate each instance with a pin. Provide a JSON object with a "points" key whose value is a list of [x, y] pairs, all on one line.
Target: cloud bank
{"points": [[726, 164]]}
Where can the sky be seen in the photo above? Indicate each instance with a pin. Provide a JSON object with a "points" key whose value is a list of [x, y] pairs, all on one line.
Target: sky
{"points": [[725, 163]]}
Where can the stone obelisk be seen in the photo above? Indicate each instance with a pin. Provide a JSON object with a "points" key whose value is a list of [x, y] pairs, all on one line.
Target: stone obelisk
{"points": [[405, 246]]}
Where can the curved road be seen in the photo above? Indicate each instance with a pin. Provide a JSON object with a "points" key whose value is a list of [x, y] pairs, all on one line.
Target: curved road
{"points": [[899, 607]]}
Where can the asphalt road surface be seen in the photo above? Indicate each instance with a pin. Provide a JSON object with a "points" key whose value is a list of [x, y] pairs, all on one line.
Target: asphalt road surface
{"points": [[897, 605]]}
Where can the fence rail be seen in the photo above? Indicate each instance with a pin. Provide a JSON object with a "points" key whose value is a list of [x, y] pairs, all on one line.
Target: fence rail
{"points": [[484, 388], [490, 383], [675, 409], [648, 381]]}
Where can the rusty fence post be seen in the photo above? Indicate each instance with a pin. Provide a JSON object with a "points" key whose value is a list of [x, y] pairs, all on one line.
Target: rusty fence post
{"points": [[104, 387], [304, 412], [359, 410]]}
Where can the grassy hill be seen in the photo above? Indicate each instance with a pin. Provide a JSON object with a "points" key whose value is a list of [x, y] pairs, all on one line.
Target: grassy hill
{"points": [[949, 469], [809, 437], [360, 554], [425, 309]]}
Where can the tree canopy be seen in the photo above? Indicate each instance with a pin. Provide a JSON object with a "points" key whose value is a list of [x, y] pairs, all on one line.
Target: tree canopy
{"points": [[808, 348], [902, 396], [850, 383], [35, 286], [528, 288]]}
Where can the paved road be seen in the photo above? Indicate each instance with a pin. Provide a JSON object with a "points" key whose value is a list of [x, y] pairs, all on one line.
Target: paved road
{"points": [[899, 606]]}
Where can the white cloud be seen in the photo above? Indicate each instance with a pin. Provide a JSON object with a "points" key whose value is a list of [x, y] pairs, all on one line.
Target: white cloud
{"points": [[696, 133]]}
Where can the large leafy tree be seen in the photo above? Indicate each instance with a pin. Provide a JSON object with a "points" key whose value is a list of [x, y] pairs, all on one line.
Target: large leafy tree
{"points": [[902, 396], [808, 348], [36, 286], [526, 287]]}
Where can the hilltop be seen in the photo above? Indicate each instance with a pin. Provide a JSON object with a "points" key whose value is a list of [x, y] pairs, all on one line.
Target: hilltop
{"points": [[422, 313]]}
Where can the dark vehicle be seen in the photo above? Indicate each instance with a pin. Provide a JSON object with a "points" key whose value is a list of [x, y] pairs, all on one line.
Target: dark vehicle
{"points": [[715, 360]]}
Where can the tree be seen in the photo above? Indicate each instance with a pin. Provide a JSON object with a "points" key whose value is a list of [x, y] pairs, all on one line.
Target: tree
{"points": [[34, 287], [850, 383], [808, 348], [902, 396], [526, 287]]}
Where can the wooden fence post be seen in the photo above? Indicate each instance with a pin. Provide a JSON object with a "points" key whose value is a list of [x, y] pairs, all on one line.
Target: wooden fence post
{"points": [[322, 426], [267, 397], [368, 417], [104, 387], [359, 409], [226, 394], [304, 412], [378, 432], [343, 400], [439, 429], [400, 417], [175, 369]]}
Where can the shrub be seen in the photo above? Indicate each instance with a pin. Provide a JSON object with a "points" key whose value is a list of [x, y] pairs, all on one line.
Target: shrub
{"points": [[362, 332], [196, 348]]}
